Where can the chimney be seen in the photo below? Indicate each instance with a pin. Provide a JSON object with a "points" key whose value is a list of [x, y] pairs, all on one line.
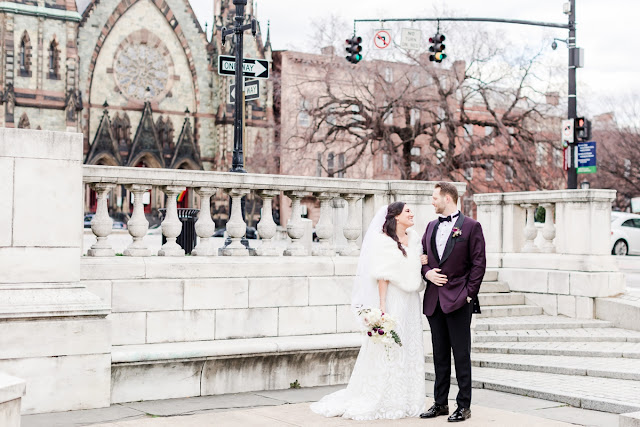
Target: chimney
{"points": [[328, 50]]}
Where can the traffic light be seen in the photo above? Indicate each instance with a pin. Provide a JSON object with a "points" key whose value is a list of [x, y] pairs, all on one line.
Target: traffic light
{"points": [[437, 48], [582, 129], [353, 49]]}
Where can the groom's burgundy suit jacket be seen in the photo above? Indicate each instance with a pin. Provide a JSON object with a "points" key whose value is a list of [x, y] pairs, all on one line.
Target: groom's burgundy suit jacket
{"points": [[463, 262]]}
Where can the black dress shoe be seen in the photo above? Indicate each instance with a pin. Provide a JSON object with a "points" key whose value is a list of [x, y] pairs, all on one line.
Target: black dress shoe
{"points": [[460, 414], [435, 411]]}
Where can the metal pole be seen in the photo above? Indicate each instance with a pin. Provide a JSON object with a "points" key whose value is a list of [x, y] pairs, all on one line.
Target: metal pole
{"points": [[238, 162], [572, 113]]}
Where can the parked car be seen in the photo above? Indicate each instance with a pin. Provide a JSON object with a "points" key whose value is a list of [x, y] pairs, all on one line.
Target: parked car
{"points": [[251, 233], [625, 233], [117, 224]]}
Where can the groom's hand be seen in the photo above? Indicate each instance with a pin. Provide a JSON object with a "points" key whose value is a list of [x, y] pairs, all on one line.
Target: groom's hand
{"points": [[435, 277]]}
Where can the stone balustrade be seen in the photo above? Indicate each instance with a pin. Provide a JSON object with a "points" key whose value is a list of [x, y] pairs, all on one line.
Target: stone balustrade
{"points": [[563, 265], [363, 198]]}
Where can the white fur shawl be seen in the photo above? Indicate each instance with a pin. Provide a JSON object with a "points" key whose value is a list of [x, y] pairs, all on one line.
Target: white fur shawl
{"points": [[388, 263]]}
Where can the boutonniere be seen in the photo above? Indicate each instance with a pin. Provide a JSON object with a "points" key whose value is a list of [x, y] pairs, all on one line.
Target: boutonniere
{"points": [[456, 232]]}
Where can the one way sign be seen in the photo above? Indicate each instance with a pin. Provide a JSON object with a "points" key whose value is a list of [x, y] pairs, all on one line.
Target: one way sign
{"points": [[258, 68]]}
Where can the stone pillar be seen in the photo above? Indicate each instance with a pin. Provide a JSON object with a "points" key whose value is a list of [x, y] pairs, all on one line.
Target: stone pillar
{"points": [[267, 226], [11, 391], [236, 227], [530, 231], [324, 227], [549, 229], [171, 225], [101, 224], [205, 226], [53, 332], [295, 227], [138, 224], [353, 228]]}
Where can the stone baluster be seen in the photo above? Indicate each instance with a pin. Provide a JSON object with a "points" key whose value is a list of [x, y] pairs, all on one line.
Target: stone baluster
{"points": [[549, 229], [324, 227], [205, 227], [101, 224], [353, 227], [295, 226], [530, 231], [267, 227], [171, 225], [236, 227], [138, 224]]}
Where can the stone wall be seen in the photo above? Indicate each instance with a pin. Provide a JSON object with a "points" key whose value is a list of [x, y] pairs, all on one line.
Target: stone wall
{"points": [[11, 392]]}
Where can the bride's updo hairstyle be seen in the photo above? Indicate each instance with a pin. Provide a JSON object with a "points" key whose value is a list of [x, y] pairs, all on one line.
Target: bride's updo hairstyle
{"points": [[390, 223]]}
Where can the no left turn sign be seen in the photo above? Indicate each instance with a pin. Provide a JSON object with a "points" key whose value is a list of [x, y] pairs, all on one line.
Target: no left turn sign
{"points": [[381, 39]]}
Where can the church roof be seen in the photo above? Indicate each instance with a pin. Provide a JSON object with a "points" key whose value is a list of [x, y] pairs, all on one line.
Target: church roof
{"points": [[56, 9]]}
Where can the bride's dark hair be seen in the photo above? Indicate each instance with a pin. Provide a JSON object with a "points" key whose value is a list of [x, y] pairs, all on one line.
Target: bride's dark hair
{"points": [[390, 223]]}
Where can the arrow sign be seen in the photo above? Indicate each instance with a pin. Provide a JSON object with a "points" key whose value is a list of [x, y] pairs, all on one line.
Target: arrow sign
{"points": [[257, 68], [251, 91]]}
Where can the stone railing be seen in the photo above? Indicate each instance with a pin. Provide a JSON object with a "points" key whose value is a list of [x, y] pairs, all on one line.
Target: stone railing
{"points": [[363, 198], [577, 222]]}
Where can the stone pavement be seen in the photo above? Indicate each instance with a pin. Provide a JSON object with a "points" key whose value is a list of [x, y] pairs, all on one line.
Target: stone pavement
{"points": [[290, 408]]}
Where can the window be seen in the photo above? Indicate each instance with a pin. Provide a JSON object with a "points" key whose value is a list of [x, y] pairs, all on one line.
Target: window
{"points": [[415, 79], [388, 74], [54, 61], [415, 151], [386, 162], [319, 164], [331, 118], [488, 130], [440, 155], [330, 165], [388, 119], [25, 56], [415, 167], [488, 171], [355, 109], [468, 173], [508, 173], [442, 114], [468, 128], [628, 223], [341, 165], [467, 205], [414, 116], [541, 154], [557, 157], [304, 119], [627, 168]]}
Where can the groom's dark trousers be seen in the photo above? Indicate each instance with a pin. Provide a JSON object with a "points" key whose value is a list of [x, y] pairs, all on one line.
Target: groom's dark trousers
{"points": [[446, 307]]}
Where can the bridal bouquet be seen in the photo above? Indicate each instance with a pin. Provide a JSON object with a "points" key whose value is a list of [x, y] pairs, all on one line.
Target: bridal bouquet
{"points": [[379, 326]]}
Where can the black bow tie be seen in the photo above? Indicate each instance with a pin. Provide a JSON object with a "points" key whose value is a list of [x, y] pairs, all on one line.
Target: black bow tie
{"points": [[447, 218]]}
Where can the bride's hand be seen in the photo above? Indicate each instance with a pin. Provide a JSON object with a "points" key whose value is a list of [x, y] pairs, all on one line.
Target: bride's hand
{"points": [[424, 259]]}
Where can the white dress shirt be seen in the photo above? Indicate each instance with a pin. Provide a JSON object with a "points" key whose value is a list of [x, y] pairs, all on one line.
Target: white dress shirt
{"points": [[444, 231]]}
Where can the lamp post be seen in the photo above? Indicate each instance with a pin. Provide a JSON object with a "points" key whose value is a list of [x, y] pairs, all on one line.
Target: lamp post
{"points": [[572, 113]]}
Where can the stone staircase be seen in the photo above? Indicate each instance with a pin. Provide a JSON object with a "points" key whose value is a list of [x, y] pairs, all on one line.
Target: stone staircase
{"points": [[583, 363]]}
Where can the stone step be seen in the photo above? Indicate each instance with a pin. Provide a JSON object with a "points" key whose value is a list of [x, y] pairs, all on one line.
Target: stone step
{"points": [[536, 322], [493, 287], [600, 394], [510, 310], [602, 367], [495, 299], [490, 276], [629, 350], [561, 335]]}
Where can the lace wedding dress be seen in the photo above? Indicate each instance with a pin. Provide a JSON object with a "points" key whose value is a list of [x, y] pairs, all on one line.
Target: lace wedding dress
{"points": [[388, 382]]}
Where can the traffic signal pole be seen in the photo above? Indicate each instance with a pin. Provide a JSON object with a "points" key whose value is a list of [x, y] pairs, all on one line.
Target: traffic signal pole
{"points": [[572, 113], [572, 173]]}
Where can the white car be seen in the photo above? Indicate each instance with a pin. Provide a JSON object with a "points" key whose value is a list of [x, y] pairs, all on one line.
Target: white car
{"points": [[625, 233]]}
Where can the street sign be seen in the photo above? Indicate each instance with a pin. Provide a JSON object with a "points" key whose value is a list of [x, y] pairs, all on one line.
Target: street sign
{"points": [[381, 39], [411, 39], [567, 130], [257, 68], [251, 91], [587, 157]]}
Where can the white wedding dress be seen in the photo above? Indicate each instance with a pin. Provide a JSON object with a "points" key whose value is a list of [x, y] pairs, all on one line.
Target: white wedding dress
{"points": [[388, 383]]}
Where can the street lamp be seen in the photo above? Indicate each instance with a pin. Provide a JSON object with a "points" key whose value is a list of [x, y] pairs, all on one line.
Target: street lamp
{"points": [[584, 185]]}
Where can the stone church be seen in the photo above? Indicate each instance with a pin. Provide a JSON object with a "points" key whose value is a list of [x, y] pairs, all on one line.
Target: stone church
{"points": [[138, 78]]}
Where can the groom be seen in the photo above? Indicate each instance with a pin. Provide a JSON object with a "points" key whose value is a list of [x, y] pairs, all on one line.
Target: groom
{"points": [[454, 245]]}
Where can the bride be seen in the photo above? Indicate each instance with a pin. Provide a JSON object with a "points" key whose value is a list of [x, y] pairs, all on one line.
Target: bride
{"points": [[387, 381]]}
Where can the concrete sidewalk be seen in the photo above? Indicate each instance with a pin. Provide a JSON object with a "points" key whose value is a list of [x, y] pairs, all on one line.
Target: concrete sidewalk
{"points": [[291, 408]]}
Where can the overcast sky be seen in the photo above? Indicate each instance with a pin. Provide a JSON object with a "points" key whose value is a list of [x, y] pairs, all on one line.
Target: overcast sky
{"points": [[608, 31]]}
